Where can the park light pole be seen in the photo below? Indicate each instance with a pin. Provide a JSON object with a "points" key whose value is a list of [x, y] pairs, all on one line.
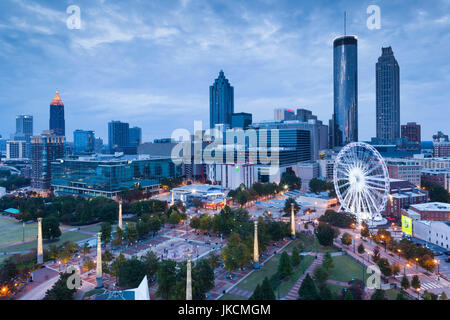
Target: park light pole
{"points": [[23, 231], [417, 263], [436, 261]]}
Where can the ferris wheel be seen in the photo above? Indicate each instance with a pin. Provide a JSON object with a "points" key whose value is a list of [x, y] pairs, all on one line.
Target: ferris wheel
{"points": [[361, 181]]}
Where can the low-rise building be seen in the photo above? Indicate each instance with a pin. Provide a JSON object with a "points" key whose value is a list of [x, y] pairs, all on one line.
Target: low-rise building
{"points": [[431, 211], [439, 176], [208, 194], [307, 171]]}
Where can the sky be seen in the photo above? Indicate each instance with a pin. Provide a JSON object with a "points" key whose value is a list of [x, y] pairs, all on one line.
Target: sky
{"points": [[151, 62]]}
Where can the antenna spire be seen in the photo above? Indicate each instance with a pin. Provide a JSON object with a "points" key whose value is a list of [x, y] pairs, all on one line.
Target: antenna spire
{"points": [[345, 23]]}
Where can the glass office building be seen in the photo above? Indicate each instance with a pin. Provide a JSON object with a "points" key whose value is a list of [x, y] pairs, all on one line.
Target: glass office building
{"points": [[345, 74], [388, 97], [107, 175], [221, 101], [83, 142]]}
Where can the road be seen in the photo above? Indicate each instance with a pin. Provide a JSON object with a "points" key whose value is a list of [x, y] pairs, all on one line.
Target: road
{"points": [[38, 292]]}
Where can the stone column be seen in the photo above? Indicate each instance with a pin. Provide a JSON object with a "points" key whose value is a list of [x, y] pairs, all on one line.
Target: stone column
{"points": [[292, 221], [99, 260], [120, 215], [255, 247], [40, 250], [189, 278]]}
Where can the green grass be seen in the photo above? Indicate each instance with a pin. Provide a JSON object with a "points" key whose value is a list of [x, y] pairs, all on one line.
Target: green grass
{"points": [[271, 267], [66, 236], [345, 269], [312, 244], [391, 294], [230, 296], [12, 231], [92, 228]]}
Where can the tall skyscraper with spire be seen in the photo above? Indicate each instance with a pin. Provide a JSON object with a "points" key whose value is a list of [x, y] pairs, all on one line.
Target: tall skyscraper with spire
{"points": [[387, 97], [57, 121], [345, 74], [221, 101]]}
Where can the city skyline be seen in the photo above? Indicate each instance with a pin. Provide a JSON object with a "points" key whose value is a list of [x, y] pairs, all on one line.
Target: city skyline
{"points": [[277, 60]]}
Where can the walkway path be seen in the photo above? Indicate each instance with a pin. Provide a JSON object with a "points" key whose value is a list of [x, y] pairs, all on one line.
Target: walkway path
{"points": [[293, 292]]}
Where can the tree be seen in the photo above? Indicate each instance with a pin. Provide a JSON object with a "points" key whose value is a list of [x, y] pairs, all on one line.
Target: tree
{"points": [[308, 289], [88, 264], [197, 203], [376, 254], [263, 291], [443, 296], [317, 185], [415, 282], [151, 262], [365, 233], [361, 248], [118, 237], [131, 273], [295, 256], [166, 276], [106, 230], [50, 228], [385, 267], [320, 276], [236, 253], [346, 239], [202, 279], [429, 295], [378, 295], [288, 206], [174, 217], [195, 223], [327, 262], [325, 234], [348, 295], [117, 264], [60, 290], [107, 256], [285, 265], [132, 233], [325, 293], [401, 295], [290, 180], [154, 224], [405, 283]]}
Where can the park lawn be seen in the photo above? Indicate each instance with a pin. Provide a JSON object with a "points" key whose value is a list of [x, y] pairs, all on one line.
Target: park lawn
{"points": [[66, 236], [270, 268], [312, 244], [335, 288], [12, 231], [346, 269], [230, 296], [391, 294], [93, 228]]}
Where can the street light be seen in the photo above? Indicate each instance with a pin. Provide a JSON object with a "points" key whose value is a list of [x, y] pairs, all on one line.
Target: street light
{"points": [[417, 263], [437, 262]]}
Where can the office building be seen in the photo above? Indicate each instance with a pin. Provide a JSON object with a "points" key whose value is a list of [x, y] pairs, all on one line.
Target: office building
{"points": [[345, 77], [284, 115], [439, 176], [241, 120], [387, 97], [431, 211], [404, 169], [16, 150], [45, 149], [118, 136], [98, 145], [57, 121], [108, 175], [83, 142], [135, 136], [307, 171], [411, 131], [221, 101]]}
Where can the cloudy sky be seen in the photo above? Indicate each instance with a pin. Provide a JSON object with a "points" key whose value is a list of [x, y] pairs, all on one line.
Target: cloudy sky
{"points": [[151, 62]]}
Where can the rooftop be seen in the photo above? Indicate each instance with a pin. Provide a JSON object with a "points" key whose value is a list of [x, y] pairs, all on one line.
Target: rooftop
{"points": [[57, 100], [432, 206]]}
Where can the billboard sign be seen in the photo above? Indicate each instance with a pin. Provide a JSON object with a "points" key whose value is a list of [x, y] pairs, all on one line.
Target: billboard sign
{"points": [[407, 225]]}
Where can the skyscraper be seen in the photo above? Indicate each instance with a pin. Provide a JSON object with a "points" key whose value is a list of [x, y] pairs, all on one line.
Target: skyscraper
{"points": [[83, 141], [283, 114], [221, 101], [57, 122], [24, 127], [387, 97], [46, 148], [411, 131], [135, 136], [118, 136], [345, 74]]}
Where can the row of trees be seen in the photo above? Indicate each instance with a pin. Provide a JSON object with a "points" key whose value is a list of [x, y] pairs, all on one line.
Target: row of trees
{"points": [[319, 185], [13, 181]]}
